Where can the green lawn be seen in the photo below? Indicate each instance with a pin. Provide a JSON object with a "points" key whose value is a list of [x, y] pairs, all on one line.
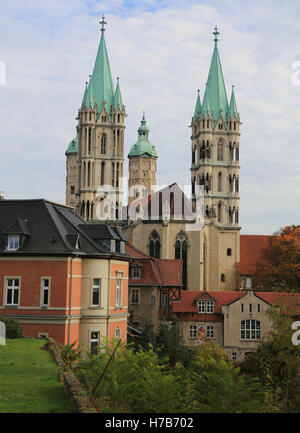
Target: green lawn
{"points": [[29, 379]]}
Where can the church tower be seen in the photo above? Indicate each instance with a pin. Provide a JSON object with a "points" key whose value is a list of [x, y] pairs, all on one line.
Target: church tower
{"points": [[215, 167], [142, 165], [95, 157]]}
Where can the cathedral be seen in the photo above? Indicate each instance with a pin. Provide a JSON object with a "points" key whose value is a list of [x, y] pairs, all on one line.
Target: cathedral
{"points": [[163, 224]]}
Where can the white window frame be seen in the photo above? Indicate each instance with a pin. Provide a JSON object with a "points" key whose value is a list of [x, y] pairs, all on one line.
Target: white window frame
{"points": [[13, 238], [193, 332], [206, 306], [137, 295], [43, 288], [248, 283], [13, 288], [43, 334], [209, 307], [117, 332], [234, 356], [96, 286], [119, 284], [164, 296], [201, 307], [251, 330], [94, 340], [136, 273], [210, 331]]}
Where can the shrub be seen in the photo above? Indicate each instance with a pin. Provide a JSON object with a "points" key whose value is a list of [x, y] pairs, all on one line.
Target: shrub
{"points": [[13, 327], [70, 355]]}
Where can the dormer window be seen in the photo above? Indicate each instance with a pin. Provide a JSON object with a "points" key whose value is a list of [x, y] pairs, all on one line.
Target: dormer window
{"points": [[113, 245], [136, 273], [205, 306], [13, 242]]}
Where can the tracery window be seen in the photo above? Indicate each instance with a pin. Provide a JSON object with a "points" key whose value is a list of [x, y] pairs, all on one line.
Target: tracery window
{"points": [[181, 246], [154, 245]]}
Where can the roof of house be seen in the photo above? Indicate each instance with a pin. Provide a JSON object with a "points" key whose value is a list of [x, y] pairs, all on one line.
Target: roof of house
{"points": [[158, 272], [51, 228], [251, 248], [187, 304]]}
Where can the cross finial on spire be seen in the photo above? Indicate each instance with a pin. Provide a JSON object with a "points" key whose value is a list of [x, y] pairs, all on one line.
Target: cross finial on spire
{"points": [[216, 33], [102, 22]]}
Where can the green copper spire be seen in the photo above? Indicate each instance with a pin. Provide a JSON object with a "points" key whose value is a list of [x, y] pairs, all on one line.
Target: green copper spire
{"points": [[198, 106], [118, 98], [73, 146], [85, 95], [205, 103], [143, 147], [215, 84], [232, 106], [101, 89]]}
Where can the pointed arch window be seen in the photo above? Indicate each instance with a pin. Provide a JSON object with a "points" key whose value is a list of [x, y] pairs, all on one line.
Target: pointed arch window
{"points": [[181, 246], [220, 212], [154, 245], [220, 151], [220, 182], [103, 144]]}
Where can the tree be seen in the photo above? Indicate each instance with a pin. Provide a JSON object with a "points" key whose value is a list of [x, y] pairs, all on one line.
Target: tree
{"points": [[277, 362], [279, 267]]}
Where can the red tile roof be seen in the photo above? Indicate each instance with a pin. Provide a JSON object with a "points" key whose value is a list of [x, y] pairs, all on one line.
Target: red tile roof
{"points": [[133, 252], [188, 297], [159, 272], [251, 248]]}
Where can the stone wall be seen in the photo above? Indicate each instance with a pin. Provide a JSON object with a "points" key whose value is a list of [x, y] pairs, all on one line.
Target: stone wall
{"points": [[72, 386]]}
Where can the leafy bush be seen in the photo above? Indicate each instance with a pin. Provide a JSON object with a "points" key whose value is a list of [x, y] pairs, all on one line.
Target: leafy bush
{"points": [[13, 327], [70, 355]]}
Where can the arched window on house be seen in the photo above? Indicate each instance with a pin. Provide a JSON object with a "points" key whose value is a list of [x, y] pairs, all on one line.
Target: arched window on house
{"points": [[154, 245], [181, 246], [103, 144]]}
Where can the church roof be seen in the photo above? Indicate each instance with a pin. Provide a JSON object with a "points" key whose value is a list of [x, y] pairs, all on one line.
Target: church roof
{"points": [[232, 106], [171, 199], [117, 103], [73, 146], [215, 89], [198, 106], [143, 147], [100, 89], [251, 248]]}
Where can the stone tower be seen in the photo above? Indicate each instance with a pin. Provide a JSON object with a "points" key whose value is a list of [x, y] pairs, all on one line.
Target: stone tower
{"points": [[215, 166], [98, 151], [142, 165]]}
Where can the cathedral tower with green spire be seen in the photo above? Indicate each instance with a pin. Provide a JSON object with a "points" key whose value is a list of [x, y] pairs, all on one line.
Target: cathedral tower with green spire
{"points": [[215, 168], [142, 165], [95, 158]]}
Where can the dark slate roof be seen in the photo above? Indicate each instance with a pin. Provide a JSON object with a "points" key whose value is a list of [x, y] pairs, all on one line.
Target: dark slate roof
{"points": [[51, 228], [19, 226]]}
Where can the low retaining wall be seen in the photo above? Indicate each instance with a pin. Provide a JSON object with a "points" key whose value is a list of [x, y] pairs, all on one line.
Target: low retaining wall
{"points": [[72, 386]]}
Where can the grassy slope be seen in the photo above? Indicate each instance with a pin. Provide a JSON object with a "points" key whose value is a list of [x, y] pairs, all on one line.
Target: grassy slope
{"points": [[29, 380]]}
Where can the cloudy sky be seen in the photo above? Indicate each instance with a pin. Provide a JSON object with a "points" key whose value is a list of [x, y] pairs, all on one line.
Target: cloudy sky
{"points": [[161, 50]]}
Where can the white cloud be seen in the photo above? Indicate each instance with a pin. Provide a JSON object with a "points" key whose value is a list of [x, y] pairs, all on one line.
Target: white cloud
{"points": [[161, 51]]}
